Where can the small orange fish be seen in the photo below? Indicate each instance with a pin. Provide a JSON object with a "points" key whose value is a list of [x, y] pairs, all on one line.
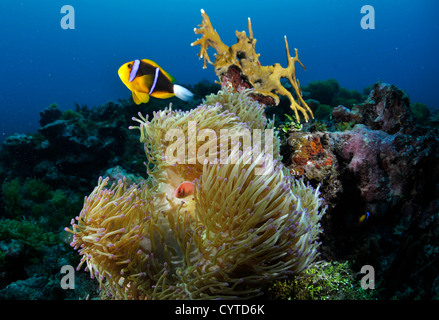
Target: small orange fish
{"points": [[184, 189]]}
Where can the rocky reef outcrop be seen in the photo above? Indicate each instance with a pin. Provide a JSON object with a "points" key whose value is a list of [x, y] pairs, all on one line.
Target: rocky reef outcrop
{"points": [[380, 180], [71, 145]]}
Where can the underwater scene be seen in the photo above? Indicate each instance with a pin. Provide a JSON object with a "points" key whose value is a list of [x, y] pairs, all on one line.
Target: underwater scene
{"points": [[200, 150]]}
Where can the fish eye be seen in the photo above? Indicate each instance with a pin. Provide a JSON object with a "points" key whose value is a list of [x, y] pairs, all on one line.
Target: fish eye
{"points": [[129, 65]]}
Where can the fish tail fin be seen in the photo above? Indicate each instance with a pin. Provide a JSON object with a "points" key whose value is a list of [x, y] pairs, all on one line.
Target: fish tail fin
{"points": [[183, 93]]}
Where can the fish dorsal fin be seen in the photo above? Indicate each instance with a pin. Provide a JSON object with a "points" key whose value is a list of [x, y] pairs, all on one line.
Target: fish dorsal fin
{"points": [[154, 64]]}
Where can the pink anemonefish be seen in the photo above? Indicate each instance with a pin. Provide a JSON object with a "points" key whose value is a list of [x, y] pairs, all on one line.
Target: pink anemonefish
{"points": [[185, 189], [146, 78]]}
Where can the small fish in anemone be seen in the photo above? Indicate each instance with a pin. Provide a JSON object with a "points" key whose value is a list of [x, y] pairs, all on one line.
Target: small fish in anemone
{"points": [[184, 189]]}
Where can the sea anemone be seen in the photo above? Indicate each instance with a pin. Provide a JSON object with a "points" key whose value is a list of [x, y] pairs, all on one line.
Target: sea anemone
{"points": [[246, 224]]}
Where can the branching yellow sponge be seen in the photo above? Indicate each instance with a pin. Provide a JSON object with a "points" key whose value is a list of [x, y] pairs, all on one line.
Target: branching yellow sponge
{"points": [[239, 64]]}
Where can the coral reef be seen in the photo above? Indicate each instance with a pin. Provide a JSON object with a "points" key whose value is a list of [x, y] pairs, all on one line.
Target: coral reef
{"points": [[27, 249], [323, 91], [239, 230], [239, 65], [322, 281], [385, 165], [421, 112], [329, 92], [343, 115], [32, 249], [90, 140], [307, 155], [44, 176], [40, 192], [377, 149], [388, 109]]}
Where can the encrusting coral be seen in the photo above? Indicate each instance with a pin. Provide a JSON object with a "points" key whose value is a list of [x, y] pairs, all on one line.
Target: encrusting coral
{"points": [[240, 229], [239, 64]]}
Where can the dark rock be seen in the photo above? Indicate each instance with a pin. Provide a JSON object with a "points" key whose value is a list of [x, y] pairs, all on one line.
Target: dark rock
{"points": [[387, 108], [342, 114], [73, 149], [50, 114], [386, 169], [33, 288]]}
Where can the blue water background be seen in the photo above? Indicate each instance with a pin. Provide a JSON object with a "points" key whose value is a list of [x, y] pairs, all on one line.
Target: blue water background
{"points": [[42, 63]]}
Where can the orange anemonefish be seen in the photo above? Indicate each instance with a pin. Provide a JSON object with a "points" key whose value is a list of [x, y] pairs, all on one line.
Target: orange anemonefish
{"points": [[146, 78], [184, 189]]}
